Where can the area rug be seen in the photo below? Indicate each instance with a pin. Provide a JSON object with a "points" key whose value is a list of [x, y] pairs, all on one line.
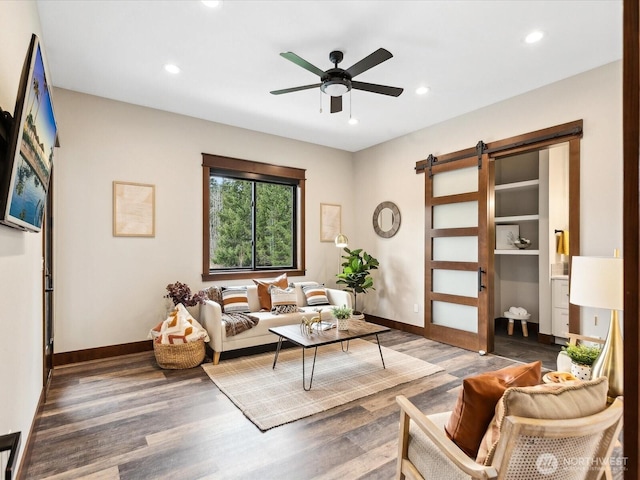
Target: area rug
{"points": [[272, 397]]}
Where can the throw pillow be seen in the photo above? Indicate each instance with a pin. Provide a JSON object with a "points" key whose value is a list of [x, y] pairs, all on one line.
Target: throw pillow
{"points": [[283, 301], [553, 401], [214, 293], [263, 289], [316, 295], [235, 299], [477, 402]]}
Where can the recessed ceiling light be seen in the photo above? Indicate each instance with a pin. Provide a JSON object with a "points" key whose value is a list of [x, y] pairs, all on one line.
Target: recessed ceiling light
{"points": [[171, 68], [212, 3], [422, 90], [534, 36], [353, 121]]}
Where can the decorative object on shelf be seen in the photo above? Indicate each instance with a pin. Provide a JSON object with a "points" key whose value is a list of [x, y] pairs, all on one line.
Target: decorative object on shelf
{"points": [[505, 235], [597, 282], [356, 273], [342, 315], [521, 243], [386, 219], [330, 222], [582, 357]]}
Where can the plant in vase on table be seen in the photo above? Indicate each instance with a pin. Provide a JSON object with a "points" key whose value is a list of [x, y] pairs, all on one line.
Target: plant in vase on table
{"points": [[356, 273], [342, 315], [582, 357]]}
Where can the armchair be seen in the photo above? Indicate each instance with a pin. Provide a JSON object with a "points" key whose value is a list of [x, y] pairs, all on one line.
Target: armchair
{"points": [[530, 448]]}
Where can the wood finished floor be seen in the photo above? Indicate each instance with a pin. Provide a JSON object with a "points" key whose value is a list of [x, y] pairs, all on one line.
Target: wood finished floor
{"points": [[125, 418]]}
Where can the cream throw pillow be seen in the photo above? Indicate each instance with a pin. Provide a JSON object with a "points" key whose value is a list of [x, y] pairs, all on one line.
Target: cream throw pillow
{"points": [[553, 401]]}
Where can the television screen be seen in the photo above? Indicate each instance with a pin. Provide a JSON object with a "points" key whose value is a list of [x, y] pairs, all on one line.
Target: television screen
{"points": [[27, 166]]}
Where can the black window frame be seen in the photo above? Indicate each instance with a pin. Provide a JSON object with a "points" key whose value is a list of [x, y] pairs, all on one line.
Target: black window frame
{"points": [[218, 165]]}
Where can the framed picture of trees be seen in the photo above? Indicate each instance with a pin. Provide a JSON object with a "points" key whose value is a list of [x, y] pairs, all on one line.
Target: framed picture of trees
{"points": [[330, 221]]}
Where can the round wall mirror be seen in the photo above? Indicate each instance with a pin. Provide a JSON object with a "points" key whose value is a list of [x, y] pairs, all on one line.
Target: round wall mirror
{"points": [[386, 219]]}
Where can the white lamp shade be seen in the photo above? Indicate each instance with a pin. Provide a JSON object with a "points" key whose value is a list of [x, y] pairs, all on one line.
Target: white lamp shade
{"points": [[341, 241], [597, 282]]}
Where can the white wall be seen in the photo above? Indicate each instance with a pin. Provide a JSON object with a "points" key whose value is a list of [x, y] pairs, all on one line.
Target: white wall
{"points": [[387, 170], [20, 256], [109, 289]]}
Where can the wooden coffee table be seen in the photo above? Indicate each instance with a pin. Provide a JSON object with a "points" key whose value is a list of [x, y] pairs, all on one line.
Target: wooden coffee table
{"points": [[293, 333]]}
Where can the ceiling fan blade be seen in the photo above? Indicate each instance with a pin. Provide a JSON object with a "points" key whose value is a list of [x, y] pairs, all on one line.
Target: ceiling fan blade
{"points": [[376, 58], [302, 63], [372, 87], [294, 89], [336, 104]]}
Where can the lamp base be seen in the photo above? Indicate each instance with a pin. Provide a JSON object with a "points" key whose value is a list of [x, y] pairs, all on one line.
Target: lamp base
{"points": [[611, 360]]}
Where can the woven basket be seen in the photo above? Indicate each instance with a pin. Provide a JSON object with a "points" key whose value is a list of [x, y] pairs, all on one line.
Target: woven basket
{"points": [[183, 355]]}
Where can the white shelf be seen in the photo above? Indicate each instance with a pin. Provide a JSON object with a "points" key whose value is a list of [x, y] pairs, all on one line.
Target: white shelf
{"points": [[517, 218], [516, 252], [527, 184]]}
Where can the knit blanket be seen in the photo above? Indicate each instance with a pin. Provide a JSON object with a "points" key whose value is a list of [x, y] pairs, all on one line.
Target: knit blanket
{"points": [[235, 323]]}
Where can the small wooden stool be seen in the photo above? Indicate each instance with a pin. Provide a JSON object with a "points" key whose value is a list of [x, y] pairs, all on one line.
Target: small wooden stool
{"points": [[523, 321]]}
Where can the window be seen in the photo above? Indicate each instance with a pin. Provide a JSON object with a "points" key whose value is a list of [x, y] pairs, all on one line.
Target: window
{"points": [[253, 219]]}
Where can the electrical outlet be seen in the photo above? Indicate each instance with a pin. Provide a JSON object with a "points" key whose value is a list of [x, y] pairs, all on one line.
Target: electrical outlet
{"points": [[415, 308]]}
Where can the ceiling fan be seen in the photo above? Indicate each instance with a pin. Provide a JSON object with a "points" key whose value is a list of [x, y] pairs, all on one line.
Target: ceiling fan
{"points": [[335, 82]]}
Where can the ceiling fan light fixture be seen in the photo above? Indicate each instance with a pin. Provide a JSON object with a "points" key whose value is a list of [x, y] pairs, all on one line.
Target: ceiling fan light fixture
{"points": [[336, 87], [353, 121], [422, 90]]}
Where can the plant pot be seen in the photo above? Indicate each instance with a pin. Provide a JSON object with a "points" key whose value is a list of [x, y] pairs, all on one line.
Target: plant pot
{"points": [[581, 372], [342, 323]]}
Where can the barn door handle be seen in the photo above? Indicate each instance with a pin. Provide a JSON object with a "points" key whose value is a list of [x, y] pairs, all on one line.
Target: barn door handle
{"points": [[480, 285]]}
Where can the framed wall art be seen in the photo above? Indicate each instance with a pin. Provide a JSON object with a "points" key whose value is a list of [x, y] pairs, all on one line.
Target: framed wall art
{"points": [[134, 209], [330, 221]]}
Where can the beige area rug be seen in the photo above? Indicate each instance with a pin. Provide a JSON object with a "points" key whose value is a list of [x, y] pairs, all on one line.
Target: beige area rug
{"points": [[270, 398]]}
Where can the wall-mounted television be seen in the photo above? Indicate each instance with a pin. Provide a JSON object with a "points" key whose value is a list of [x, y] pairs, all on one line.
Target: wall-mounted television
{"points": [[25, 167]]}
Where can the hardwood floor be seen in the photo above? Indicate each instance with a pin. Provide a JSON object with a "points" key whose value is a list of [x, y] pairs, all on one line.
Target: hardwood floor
{"points": [[125, 418]]}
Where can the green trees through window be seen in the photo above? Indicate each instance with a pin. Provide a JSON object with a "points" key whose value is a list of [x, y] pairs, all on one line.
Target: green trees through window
{"points": [[253, 218], [245, 213]]}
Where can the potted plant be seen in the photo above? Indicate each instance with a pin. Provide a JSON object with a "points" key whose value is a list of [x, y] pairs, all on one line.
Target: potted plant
{"points": [[356, 273], [582, 357], [342, 315]]}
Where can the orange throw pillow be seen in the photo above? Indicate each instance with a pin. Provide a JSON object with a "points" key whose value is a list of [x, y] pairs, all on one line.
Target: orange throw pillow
{"points": [[477, 402], [263, 289]]}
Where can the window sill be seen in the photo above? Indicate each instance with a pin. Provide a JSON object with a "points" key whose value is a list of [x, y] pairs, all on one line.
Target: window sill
{"points": [[242, 275]]}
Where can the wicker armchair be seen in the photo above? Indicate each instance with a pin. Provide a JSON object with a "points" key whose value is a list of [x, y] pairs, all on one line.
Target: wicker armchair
{"points": [[578, 448]]}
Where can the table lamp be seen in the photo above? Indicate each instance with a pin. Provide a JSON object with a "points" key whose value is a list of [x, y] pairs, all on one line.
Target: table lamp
{"points": [[597, 282]]}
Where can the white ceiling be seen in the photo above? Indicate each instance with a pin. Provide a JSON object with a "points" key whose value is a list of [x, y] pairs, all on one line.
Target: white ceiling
{"points": [[470, 53]]}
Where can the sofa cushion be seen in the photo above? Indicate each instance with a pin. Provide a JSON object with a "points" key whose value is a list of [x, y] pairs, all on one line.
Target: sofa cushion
{"points": [[553, 401], [263, 289], [315, 295], [235, 299], [283, 300], [298, 286], [477, 401]]}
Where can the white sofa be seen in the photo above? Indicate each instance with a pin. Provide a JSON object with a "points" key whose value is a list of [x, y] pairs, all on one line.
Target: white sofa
{"points": [[211, 318]]}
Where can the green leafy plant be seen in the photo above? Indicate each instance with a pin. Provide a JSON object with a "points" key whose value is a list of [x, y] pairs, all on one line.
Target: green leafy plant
{"points": [[181, 293], [342, 312], [582, 354], [356, 273]]}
